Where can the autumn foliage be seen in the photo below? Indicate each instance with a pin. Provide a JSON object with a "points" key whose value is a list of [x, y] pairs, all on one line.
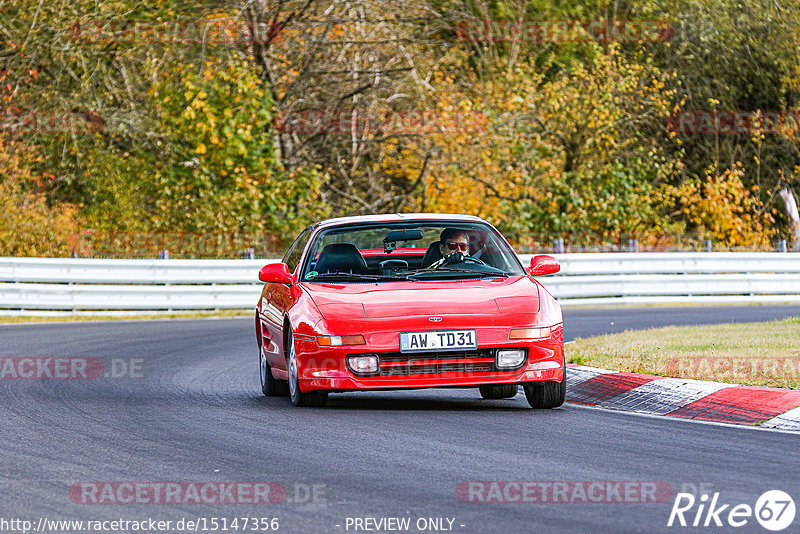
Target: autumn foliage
{"points": [[546, 139], [28, 225]]}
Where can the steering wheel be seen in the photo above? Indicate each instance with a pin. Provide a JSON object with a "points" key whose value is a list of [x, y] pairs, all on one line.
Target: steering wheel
{"points": [[467, 259], [473, 259]]}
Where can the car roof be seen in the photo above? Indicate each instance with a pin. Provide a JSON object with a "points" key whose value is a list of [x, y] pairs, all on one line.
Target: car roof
{"points": [[398, 217]]}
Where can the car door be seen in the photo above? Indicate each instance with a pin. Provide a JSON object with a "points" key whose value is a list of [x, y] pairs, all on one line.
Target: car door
{"points": [[279, 300]]}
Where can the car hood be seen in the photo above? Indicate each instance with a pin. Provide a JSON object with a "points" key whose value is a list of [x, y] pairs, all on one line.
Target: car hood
{"points": [[513, 295]]}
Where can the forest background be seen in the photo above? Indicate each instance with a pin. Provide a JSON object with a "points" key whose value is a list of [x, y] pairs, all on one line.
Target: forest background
{"points": [[210, 128]]}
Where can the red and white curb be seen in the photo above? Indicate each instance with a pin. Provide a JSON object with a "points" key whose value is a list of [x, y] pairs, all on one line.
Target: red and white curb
{"points": [[684, 398]]}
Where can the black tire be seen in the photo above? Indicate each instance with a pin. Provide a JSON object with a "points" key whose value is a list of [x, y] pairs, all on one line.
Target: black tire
{"points": [[270, 386], [313, 398], [499, 391], [546, 395]]}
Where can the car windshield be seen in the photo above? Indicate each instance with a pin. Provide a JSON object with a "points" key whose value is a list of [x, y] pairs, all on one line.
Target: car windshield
{"points": [[409, 251]]}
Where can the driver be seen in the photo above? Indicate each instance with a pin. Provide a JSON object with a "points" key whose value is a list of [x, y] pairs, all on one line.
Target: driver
{"points": [[453, 246]]}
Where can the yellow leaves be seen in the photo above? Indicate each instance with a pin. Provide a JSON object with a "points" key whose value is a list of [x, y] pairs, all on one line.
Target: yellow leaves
{"points": [[721, 207], [201, 148], [29, 226]]}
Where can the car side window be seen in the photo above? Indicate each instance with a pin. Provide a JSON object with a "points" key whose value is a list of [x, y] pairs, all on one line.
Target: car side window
{"points": [[295, 252]]}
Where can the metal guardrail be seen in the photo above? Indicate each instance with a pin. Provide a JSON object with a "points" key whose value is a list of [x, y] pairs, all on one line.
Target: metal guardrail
{"points": [[676, 277], [46, 286]]}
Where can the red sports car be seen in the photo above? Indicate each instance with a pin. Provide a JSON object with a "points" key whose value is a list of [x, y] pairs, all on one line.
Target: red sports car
{"points": [[408, 301]]}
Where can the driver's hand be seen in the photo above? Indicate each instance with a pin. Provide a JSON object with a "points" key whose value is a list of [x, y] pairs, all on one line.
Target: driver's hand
{"points": [[454, 257]]}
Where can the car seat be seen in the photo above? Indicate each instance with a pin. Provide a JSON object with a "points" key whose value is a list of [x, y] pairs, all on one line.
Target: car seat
{"points": [[432, 254], [341, 258]]}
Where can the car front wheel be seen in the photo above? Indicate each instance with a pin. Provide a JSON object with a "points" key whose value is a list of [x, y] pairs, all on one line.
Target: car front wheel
{"points": [[270, 386], [312, 398], [544, 395], [499, 391]]}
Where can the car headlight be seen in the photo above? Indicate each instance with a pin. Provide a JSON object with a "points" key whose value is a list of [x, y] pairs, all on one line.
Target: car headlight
{"points": [[530, 333], [363, 364], [510, 358], [338, 341]]}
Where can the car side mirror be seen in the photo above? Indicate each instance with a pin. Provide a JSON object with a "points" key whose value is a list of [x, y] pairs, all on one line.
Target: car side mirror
{"points": [[277, 273], [543, 264]]}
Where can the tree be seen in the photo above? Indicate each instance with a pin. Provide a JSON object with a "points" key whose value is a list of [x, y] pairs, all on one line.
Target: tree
{"points": [[28, 225], [572, 156]]}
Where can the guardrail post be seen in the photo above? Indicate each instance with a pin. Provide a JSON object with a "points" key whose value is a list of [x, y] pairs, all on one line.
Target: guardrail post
{"points": [[163, 254], [633, 245], [558, 247], [707, 246], [782, 245]]}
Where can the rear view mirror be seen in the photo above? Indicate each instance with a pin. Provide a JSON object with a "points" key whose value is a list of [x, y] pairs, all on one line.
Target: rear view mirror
{"points": [[391, 239], [543, 264], [277, 273]]}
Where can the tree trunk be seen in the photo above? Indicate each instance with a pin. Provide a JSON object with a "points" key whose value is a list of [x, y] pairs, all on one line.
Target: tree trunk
{"points": [[794, 219]]}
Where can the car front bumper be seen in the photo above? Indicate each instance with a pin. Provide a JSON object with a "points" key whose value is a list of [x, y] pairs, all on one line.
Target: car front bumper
{"points": [[325, 368]]}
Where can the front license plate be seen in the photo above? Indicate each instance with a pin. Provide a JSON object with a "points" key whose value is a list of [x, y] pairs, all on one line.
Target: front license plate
{"points": [[438, 340]]}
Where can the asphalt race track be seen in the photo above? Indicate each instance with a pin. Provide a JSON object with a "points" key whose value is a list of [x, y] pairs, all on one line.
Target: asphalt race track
{"points": [[193, 412]]}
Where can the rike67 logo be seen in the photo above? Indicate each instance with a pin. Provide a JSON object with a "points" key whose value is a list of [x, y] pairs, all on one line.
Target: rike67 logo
{"points": [[774, 510]]}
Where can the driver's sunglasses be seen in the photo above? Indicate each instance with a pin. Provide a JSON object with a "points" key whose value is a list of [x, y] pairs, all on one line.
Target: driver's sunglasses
{"points": [[452, 245]]}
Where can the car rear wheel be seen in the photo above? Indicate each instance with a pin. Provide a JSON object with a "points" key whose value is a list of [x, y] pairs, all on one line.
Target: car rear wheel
{"points": [[544, 395], [270, 386], [312, 398], [499, 391]]}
